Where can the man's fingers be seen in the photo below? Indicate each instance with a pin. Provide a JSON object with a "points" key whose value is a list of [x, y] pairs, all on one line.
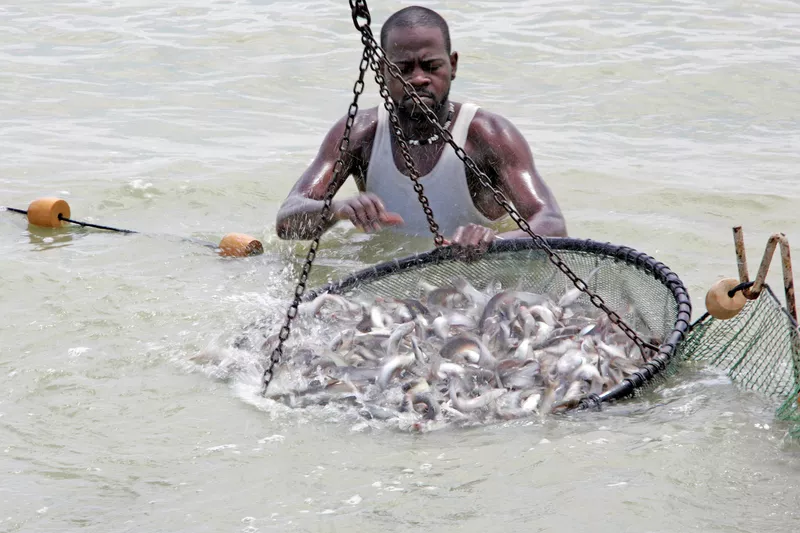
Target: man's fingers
{"points": [[458, 236], [371, 208], [383, 215], [375, 200], [470, 242], [359, 217], [392, 219], [476, 236], [350, 213], [367, 213], [488, 238]]}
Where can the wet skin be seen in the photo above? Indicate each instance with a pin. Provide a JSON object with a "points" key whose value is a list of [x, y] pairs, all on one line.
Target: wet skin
{"points": [[495, 145]]}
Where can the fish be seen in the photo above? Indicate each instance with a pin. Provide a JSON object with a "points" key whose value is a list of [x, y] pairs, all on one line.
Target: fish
{"points": [[441, 327], [393, 364], [466, 288], [452, 354], [466, 405], [572, 295], [315, 306], [393, 344]]}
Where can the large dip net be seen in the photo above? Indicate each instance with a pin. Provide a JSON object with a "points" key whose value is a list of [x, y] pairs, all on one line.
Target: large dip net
{"points": [[746, 332], [645, 293]]}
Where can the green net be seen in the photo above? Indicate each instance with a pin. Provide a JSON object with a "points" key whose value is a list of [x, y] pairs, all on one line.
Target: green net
{"points": [[759, 349]]}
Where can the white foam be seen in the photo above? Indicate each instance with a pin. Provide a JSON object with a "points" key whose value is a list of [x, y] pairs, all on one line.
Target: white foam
{"points": [[272, 438], [221, 447], [77, 351], [355, 500]]}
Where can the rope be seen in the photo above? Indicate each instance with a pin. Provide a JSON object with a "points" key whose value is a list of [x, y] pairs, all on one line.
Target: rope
{"points": [[200, 242], [740, 287], [78, 222], [98, 226]]}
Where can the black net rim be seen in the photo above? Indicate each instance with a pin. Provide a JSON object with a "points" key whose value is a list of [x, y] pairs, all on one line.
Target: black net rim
{"points": [[625, 254]]}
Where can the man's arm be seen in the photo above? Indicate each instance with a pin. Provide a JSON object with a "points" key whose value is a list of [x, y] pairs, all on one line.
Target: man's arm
{"points": [[510, 154], [501, 147], [301, 212]]}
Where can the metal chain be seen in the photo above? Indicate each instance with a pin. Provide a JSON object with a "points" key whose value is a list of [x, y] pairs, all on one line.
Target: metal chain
{"points": [[344, 145], [388, 103], [498, 195]]}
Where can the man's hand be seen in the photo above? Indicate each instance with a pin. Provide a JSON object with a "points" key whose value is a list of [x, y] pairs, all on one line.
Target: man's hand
{"points": [[471, 242], [366, 212]]}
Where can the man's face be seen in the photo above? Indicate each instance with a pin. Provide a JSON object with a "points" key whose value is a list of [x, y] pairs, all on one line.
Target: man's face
{"points": [[421, 56]]}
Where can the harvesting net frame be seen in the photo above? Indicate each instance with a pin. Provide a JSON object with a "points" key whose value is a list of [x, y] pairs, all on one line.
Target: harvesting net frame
{"points": [[644, 292]]}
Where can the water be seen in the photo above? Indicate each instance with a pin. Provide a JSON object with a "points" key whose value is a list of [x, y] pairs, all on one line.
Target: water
{"points": [[659, 125]]}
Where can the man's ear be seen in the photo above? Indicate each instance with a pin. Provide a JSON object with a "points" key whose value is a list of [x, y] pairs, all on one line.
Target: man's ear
{"points": [[453, 65]]}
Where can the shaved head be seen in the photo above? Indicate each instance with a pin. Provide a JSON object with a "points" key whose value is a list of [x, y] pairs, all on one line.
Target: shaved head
{"points": [[416, 17]]}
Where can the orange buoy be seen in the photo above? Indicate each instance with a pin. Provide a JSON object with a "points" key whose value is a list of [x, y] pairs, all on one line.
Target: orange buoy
{"points": [[719, 304], [48, 212], [239, 245]]}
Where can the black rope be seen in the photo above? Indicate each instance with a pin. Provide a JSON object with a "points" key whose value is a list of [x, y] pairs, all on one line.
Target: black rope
{"points": [[98, 226], [740, 287], [201, 242], [699, 320], [78, 222]]}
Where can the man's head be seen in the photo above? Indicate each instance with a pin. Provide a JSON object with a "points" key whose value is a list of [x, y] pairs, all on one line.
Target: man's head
{"points": [[417, 40]]}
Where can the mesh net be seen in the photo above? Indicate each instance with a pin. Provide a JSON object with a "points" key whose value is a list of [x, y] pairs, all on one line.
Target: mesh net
{"points": [[646, 294], [644, 303], [759, 349]]}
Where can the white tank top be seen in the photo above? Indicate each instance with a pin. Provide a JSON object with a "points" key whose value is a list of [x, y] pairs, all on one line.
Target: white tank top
{"points": [[445, 185]]}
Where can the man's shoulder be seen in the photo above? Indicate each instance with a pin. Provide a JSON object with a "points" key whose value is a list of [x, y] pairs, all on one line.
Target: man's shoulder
{"points": [[365, 124], [489, 125], [362, 131]]}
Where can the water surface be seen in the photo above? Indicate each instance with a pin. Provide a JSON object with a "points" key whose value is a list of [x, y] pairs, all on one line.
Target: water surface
{"points": [[659, 125]]}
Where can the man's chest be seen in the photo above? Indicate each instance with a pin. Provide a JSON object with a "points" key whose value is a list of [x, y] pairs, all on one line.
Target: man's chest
{"points": [[424, 158]]}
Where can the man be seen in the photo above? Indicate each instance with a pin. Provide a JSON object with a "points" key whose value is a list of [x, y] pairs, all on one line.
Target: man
{"points": [[417, 40]]}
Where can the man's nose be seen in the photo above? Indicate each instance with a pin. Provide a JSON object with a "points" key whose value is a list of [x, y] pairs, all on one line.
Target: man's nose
{"points": [[419, 78]]}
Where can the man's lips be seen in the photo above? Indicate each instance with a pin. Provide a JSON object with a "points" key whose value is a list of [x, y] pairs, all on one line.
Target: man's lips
{"points": [[426, 99]]}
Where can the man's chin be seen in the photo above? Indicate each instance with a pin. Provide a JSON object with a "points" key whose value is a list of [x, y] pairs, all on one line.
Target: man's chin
{"points": [[414, 110]]}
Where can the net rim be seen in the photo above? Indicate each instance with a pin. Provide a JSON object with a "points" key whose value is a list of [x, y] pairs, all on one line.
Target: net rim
{"points": [[640, 260]]}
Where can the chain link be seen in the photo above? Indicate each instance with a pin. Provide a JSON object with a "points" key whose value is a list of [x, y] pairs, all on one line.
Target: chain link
{"points": [[360, 11], [374, 56], [344, 144], [379, 55], [413, 173]]}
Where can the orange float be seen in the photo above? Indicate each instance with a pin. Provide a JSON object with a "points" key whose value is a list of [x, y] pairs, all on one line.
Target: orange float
{"points": [[719, 304], [240, 245], [48, 212]]}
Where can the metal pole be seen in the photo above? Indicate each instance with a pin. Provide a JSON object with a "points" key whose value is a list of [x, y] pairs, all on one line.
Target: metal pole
{"points": [[741, 257], [788, 277], [788, 288]]}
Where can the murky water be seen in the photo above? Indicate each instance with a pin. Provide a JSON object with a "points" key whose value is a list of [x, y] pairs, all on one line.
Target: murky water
{"points": [[659, 125]]}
